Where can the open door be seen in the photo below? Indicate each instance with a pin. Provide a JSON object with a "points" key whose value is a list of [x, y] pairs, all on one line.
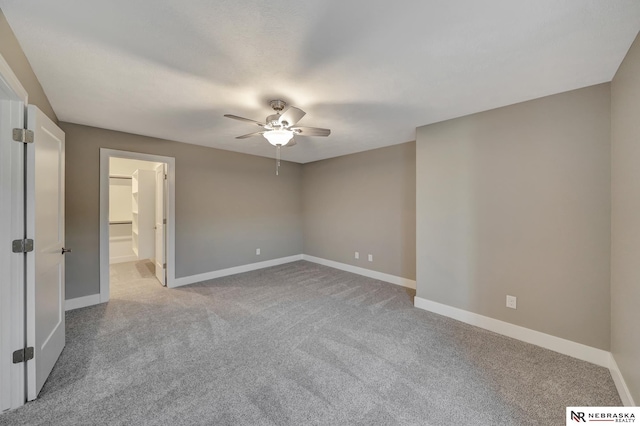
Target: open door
{"points": [[160, 225], [45, 264]]}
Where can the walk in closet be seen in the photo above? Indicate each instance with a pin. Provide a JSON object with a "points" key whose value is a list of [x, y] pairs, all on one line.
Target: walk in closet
{"points": [[132, 191]]}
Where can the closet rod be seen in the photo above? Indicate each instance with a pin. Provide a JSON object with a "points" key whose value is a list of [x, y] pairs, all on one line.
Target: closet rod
{"points": [[119, 177], [121, 222]]}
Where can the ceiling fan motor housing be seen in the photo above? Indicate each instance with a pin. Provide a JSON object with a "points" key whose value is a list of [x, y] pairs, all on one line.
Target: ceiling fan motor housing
{"points": [[273, 121]]}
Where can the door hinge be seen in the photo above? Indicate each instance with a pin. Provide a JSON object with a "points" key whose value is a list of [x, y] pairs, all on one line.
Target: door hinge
{"points": [[22, 246], [164, 221], [164, 266], [23, 135], [165, 176], [22, 355]]}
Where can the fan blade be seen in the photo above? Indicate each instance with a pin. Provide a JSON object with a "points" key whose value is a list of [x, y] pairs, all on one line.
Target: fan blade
{"points": [[311, 131], [292, 115], [235, 117], [249, 135]]}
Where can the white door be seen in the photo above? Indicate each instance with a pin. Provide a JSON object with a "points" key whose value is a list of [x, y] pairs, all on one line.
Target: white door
{"points": [[160, 226], [45, 264]]}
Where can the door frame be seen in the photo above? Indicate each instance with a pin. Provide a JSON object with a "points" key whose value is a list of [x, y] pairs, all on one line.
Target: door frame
{"points": [[12, 226], [105, 155]]}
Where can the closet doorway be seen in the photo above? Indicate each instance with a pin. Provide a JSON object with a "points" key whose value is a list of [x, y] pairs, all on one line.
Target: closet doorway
{"points": [[136, 220]]}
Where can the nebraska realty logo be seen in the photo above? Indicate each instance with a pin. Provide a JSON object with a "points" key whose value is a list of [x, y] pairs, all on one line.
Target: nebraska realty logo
{"points": [[602, 414]]}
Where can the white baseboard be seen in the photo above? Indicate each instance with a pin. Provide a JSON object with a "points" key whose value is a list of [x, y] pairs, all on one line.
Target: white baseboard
{"points": [[404, 282], [81, 302], [557, 344], [235, 270], [259, 265], [122, 259], [621, 385]]}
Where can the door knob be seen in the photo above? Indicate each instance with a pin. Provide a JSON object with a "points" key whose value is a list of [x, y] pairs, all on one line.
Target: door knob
{"points": [[64, 250]]}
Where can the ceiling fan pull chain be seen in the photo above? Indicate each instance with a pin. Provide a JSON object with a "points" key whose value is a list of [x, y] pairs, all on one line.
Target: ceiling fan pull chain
{"points": [[277, 159]]}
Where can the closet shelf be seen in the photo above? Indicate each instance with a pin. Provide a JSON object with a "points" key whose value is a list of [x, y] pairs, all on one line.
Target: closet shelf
{"points": [[143, 209]]}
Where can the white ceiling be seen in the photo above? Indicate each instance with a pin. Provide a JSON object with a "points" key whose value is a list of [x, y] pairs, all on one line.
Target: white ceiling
{"points": [[372, 71]]}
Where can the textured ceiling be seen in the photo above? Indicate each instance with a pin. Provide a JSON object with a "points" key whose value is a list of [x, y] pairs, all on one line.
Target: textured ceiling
{"points": [[372, 71]]}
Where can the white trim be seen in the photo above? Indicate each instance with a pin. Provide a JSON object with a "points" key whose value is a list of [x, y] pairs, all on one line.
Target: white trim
{"points": [[404, 282], [12, 226], [8, 80], [557, 344], [121, 238], [105, 154], [235, 270], [621, 385], [123, 259], [81, 302]]}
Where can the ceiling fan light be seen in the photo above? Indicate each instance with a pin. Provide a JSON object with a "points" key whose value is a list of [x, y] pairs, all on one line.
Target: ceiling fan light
{"points": [[278, 137]]}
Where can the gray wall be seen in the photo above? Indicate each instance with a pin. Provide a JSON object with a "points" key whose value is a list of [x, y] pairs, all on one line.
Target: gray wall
{"points": [[625, 219], [227, 205], [12, 53], [516, 201], [363, 202]]}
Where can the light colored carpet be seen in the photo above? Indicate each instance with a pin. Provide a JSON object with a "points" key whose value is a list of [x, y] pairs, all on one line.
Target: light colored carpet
{"points": [[296, 344]]}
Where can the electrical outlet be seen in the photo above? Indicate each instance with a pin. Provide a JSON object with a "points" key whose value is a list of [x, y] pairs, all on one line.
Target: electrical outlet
{"points": [[357, 255], [257, 252], [511, 302], [370, 258]]}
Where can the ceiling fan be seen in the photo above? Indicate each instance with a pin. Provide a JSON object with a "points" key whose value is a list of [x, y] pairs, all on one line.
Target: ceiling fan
{"points": [[280, 128]]}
